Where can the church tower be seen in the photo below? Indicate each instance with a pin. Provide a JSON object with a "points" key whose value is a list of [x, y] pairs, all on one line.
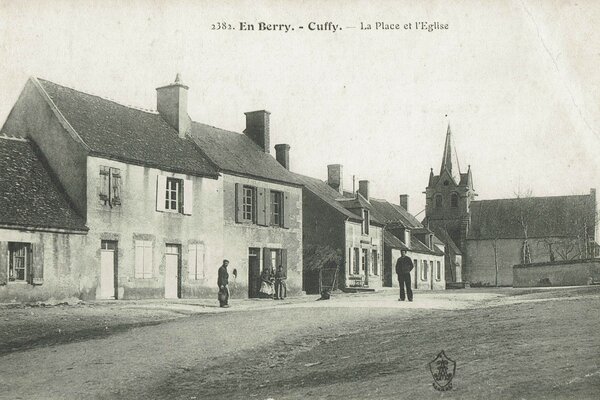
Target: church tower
{"points": [[448, 197]]}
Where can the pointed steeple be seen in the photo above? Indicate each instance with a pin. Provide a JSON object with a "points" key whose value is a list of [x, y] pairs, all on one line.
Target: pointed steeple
{"points": [[447, 158]]}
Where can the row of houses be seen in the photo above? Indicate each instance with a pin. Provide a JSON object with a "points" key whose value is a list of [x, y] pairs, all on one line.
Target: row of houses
{"points": [[99, 200]]}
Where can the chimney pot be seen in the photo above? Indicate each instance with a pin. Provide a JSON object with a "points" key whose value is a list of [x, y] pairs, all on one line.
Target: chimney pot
{"points": [[335, 177], [257, 128], [282, 155], [404, 201], [363, 189]]}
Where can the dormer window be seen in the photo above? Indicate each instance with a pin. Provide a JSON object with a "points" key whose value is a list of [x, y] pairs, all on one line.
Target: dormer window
{"points": [[365, 223]]}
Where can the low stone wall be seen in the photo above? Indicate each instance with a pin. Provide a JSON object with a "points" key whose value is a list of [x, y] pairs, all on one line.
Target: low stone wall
{"points": [[558, 273]]}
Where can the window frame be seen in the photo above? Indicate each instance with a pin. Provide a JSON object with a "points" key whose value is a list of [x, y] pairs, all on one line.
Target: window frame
{"points": [[27, 263], [438, 201], [438, 271], [110, 186], [454, 198], [424, 268], [276, 208], [147, 271], [375, 265], [249, 216], [177, 191]]}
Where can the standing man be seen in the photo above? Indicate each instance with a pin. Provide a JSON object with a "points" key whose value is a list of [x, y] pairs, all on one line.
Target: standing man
{"points": [[223, 282], [403, 267]]}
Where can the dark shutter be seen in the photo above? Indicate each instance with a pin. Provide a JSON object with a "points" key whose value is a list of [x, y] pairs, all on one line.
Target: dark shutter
{"points": [[261, 201], [239, 202], [103, 185], [268, 207], [286, 209], [284, 261], [36, 264], [267, 258], [115, 187]]}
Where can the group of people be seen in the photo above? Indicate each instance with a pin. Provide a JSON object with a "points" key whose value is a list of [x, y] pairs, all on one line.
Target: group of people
{"points": [[272, 284]]}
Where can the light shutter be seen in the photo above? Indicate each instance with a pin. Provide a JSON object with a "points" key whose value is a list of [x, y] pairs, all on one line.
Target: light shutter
{"points": [[188, 196]]}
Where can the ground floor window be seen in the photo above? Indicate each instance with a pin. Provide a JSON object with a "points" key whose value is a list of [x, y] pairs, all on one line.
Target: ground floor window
{"points": [[196, 265], [143, 259], [374, 262], [424, 270], [438, 272], [19, 262], [356, 261], [365, 260]]}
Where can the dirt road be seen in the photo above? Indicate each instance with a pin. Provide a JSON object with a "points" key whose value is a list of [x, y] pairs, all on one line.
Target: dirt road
{"points": [[507, 344]]}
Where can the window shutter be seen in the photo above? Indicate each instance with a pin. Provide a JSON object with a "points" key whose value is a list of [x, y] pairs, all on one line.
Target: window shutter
{"points": [[115, 187], [192, 262], [139, 260], [267, 207], [148, 266], [286, 209], [36, 263], [161, 190], [239, 200], [188, 199], [266, 258], [4, 267], [284, 261], [103, 186], [261, 194]]}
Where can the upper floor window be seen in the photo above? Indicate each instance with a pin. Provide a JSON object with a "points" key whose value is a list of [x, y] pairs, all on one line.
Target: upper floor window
{"points": [[261, 206], [365, 222], [454, 200], [109, 188], [249, 204], [438, 201], [174, 195], [276, 208]]}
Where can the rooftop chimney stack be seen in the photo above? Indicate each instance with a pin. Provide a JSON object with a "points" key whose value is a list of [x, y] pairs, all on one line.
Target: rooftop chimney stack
{"points": [[335, 177], [171, 103], [257, 128], [404, 201], [363, 189], [282, 155]]}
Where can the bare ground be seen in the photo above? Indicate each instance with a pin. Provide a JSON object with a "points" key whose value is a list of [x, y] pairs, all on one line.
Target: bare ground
{"points": [[507, 344]]}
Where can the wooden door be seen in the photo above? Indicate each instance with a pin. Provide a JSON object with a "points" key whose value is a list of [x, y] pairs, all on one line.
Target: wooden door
{"points": [[108, 268], [172, 275]]}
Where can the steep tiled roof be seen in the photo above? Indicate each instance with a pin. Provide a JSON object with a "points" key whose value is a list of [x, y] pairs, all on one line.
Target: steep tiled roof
{"points": [[327, 194], [127, 134], [29, 196], [235, 152], [446, 240], [394, 214], [359, 202], [558, 216], [392, 241], [419, 247]]}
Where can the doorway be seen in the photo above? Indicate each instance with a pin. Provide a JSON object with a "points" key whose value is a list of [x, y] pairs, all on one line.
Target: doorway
{"points": [[108, 269], [172, 271], [253, 272]]}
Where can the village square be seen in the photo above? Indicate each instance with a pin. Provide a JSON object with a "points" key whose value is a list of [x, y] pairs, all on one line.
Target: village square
{"points": [[274, 200]]}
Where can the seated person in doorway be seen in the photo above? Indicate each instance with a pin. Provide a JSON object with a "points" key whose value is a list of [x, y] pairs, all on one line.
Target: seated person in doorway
{"points": [[280, 286], [266, 283]]}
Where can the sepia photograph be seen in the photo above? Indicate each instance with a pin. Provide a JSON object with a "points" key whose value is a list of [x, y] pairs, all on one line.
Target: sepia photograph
{"points": [[312, 199]]}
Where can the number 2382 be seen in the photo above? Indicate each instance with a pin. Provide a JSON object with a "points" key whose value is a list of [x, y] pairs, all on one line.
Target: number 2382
{"points": [[221, 26]]}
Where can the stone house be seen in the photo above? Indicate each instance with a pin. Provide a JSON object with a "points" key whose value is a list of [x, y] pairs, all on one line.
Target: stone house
{"points": [[402, 231], [342, 222], [42, 236], [164, 199]]}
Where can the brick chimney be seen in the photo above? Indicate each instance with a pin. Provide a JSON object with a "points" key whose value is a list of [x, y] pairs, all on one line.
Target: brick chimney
{"points": [[363, 189], [171, 103], [404, 201], [335, 177], [257, 128], [282, 154]]}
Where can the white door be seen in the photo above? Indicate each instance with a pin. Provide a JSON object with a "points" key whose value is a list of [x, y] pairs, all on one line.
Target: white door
{"points": [[171, 276], [107, 274]]}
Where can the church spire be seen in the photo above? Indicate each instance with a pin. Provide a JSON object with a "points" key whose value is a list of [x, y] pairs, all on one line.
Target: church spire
{"points": [[447, 158]]}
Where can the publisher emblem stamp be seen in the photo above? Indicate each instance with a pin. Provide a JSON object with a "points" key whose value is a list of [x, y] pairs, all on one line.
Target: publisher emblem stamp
{"points": [[442, 370]]}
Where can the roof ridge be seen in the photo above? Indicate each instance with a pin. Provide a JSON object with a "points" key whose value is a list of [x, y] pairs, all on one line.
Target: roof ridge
{"points": [[138, 108], [533, 197], [15, 138]]}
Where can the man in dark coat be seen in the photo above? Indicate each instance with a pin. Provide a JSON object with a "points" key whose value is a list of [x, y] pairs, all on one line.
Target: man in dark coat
{"points": [[223, 283], [403, 267]]}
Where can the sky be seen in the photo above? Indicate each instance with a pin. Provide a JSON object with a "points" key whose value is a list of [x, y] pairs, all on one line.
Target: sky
{"points": [[518, 81]]}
